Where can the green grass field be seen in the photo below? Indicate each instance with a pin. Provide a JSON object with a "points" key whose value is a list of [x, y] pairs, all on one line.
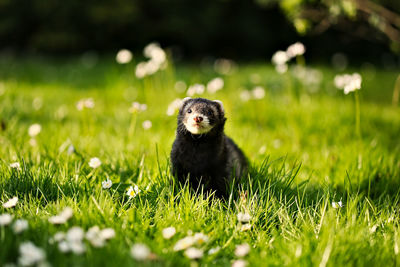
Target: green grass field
{"points": [[301, 143]]}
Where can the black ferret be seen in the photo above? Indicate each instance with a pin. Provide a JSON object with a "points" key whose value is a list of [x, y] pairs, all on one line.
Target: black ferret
{"points": [[201, 152]]}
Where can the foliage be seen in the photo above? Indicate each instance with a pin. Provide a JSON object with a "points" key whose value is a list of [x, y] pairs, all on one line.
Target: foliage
{"points": [[300, 142]]}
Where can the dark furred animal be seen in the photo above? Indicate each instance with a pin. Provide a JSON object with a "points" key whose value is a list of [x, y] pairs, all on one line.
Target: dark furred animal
{"points": [[201, 151]]}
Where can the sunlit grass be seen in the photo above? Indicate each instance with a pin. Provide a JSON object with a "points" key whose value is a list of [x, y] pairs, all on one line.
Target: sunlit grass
{"points": [[304, 152]]}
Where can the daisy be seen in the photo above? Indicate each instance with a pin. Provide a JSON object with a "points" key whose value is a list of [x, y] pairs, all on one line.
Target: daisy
{"points": [[147, 124], [168, 232], [280, 58], [349, 83], [61, 218], [20, 225], [10, 203], [34, 129], [123, 56], [200, 238], [242, 250], [184, 243], [214, 250], [107, 233], [296, 49], [243, 217], [140, 251], [194, 253], [239, 263], [5, 219], [245, 227], [337, 205], [94, 237], [258, 92], [133, 191], [15, 165], [94, 163], [137, 107], [215, 85], [30, 254], [106, 184], [85, 103]]}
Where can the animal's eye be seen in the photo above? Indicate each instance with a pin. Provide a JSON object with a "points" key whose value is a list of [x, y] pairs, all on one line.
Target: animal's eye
{"points": [[210, 113], [190, 111]]}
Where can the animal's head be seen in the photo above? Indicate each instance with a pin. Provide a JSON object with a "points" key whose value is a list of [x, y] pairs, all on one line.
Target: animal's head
{"points": [[200, 115]]}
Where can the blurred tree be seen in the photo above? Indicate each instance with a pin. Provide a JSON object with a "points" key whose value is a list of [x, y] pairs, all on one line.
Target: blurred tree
{"points": [[316, 16]]}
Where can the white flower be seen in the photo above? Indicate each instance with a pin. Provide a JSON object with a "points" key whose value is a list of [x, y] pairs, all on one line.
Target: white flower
{"points": [[5, 219], [85, 103], [94, 237], [348, 83], [73, 241], [123, 56], [373, 229], [71, 149], [34, 129], [195, 89], [180, 86], [184, 243], [239, 263], [30, 254], [155, 53], [94, 163], [215, 85], [141, 70], [243, 217], [168, 232], [174, 106], [280, 58], [140, 251], [33, 142], [37, 103], [242, 250], [63, 217], [63, 246], [77, 247], [214, 250], [20, 225], [245, 95], [133, 191], [200, 238], [224, 66], [157, 60], [106, 184], [107, 233], [194, 253], [147, 124], [59, 236], [137, 107], [337, 205], [296, 49], [281, 68], [10, 203], [75, 234], [15, 165], [258, 92], [245, 227]]}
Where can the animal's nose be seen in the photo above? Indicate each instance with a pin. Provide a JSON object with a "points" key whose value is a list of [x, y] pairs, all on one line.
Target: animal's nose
{"points": [[198, 119]]}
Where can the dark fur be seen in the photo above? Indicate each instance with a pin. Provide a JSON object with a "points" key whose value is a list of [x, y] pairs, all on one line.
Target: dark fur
{"points": [[211, 159]]}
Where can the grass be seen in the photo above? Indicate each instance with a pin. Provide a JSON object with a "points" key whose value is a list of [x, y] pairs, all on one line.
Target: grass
{"points": [[302, 147]]}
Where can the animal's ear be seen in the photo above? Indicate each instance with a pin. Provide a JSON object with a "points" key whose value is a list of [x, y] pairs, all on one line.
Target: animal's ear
{"points": [[184, 101], [221, 106]]}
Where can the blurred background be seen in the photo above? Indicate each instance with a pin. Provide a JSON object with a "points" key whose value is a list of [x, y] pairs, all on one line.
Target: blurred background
{"points": [[362, 30]]}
